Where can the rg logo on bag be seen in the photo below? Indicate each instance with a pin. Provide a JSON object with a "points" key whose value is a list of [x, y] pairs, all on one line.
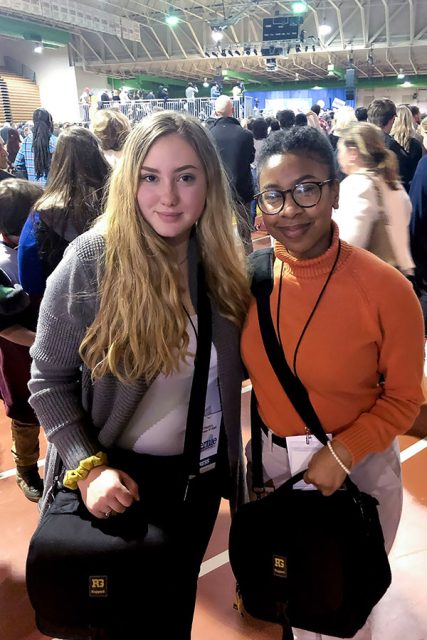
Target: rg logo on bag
{"points": [[98, 586], [280, 567]]}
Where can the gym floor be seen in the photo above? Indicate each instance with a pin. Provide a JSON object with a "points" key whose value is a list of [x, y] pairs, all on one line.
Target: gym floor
{"points": [[401, 614]]}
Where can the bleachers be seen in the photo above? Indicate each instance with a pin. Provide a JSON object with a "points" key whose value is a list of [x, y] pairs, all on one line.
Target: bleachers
{"points": [[23, 94]]}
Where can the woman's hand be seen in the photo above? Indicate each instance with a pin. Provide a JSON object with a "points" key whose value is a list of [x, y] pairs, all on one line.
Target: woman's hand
{"points": [[324, 471], [106, 491]]}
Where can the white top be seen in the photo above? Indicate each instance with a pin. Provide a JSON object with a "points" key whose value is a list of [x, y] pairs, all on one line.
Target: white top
{"points": [[164, 407], [190, 92], [9, 261], [359, 209]]}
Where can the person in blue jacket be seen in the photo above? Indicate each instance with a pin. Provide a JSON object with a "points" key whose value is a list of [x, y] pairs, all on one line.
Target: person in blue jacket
{"points": [[418, 231]]}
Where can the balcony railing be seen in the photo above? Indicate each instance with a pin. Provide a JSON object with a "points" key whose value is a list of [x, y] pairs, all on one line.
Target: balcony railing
{"points": [[136, 110]]}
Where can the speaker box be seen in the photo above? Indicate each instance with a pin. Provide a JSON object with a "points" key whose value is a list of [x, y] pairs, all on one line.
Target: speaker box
{"points": [[350, 81]]}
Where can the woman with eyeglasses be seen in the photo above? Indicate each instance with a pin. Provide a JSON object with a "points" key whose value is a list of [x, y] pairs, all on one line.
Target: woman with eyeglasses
{"points": [[350, 327]]}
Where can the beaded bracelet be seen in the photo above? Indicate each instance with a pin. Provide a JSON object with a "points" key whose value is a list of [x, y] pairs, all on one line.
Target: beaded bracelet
{"points": [[337, 458], [73, 476]]}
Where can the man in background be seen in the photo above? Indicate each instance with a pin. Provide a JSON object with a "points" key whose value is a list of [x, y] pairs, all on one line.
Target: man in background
{"points": [[236, 148]]}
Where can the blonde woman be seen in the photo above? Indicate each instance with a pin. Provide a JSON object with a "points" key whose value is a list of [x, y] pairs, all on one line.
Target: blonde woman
{"points": [[114, 356], [111, 127], [372, 189], [343, 118], [404, 132]]}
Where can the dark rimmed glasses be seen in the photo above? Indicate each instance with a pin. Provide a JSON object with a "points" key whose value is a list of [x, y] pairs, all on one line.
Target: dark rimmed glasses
{"points": [[305, 194]]}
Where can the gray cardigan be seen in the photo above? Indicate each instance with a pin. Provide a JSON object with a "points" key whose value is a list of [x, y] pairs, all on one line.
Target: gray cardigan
{"points": [[79, 416]]}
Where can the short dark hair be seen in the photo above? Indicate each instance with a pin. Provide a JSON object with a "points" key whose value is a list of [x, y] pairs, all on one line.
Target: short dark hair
{"points": [[259, 128], [286, 118], [413, 107], [361, 114], [274, 125], [299, 141], [315, 108], [301, 120], [381, 111], [17, 198]]}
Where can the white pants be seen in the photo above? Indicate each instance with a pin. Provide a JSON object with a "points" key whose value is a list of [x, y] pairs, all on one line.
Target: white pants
{"points": [[378, 474]]}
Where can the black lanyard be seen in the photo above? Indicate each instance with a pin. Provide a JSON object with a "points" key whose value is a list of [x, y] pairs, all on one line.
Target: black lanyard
{"points": [[196, 408]]}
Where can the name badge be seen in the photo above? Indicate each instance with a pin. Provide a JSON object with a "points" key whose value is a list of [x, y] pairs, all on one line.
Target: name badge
{"points": [[300, 451], [211, 428]]}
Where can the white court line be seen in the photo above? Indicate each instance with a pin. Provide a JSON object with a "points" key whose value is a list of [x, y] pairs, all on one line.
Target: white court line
{"points": [[413, 450], [12, 472], [213, 563]]}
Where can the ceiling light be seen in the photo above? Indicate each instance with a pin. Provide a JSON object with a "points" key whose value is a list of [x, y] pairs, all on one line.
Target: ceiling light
{"points": [[214, 53], [38, 48], [205, 82], [171, 20], [230, 53], [237, 52], [298, 48], [324, 29], [306, 48], [255, 52], [299, 7], [223, 53], [406, 84], [217, 34], [401, 75], [317, 88], [207, 54], [247, 51], [297, 76], [313, 47]]}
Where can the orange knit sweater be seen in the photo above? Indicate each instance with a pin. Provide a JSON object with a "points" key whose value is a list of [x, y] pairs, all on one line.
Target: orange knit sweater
{"points": [[368, 323]]}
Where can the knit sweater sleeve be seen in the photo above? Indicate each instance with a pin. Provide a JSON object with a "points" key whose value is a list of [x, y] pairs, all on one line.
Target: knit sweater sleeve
{"points": [[394, 306], [67, 309]]}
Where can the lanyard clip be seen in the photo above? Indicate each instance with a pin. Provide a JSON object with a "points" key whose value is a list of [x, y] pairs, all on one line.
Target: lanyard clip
{"points": [[307, 435]]}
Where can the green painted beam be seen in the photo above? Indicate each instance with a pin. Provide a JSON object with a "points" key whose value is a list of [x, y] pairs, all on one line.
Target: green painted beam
{"points": [[239, 75], [32, 31], [330, 83]]}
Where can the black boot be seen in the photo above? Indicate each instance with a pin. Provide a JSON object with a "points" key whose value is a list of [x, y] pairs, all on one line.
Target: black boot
{"points": [[29, 482]]}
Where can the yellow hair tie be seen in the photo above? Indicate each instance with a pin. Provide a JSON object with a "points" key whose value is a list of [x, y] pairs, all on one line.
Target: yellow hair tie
{"points": [[73, 476]]}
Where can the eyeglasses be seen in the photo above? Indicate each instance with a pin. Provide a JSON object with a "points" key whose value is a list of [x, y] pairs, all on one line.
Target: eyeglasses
{"points": [[305, 194]]}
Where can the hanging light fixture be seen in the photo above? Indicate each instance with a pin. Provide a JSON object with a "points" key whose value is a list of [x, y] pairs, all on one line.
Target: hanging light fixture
{"points": [[217, 34]]}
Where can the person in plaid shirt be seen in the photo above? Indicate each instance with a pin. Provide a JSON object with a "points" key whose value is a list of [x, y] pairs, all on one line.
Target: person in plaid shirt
{"points": [[34, 157]]}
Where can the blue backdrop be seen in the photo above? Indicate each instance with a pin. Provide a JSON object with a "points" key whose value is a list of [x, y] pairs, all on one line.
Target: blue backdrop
{"points": [[310, 95]]}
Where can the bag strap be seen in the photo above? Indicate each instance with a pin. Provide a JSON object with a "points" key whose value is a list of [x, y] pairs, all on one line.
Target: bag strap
{"points": [[262, 286], [197, 404]]}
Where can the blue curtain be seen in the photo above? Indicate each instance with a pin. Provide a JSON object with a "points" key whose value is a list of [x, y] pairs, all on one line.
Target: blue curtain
{"points": [[311, 95]]}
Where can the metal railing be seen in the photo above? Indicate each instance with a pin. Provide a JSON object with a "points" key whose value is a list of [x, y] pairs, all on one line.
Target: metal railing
{"points": [[136, 110]]}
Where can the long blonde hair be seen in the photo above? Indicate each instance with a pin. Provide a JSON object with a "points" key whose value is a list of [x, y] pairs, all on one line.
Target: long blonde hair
{"points": [[403, 128], [140, 328], [368, 139]]}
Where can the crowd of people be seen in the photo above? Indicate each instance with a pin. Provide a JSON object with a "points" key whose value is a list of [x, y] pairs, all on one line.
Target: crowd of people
{"points": [[122, 237]]}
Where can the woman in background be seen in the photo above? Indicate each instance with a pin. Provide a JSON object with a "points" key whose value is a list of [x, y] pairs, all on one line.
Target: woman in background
{"points": [[372, 190], [35, 155], [111, 127], [404, 132], [70, 203]]}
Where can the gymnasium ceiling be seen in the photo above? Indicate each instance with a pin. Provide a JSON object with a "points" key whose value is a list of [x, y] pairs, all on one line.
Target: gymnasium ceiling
{"points": [[380, 38]]}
